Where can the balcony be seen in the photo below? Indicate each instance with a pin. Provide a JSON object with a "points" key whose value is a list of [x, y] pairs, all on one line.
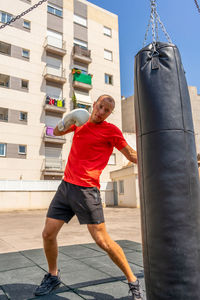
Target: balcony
{"points": [[81, 54], [51, 138], [82, 81], [53, 166], [54, 74], [55, 105], [55, 46]]}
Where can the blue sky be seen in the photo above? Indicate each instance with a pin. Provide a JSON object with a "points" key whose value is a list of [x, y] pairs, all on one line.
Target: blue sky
{"points": [[182, 21]]}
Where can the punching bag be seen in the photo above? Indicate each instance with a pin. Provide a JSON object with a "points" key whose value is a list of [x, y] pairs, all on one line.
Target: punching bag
{"points": [[168, 175]]}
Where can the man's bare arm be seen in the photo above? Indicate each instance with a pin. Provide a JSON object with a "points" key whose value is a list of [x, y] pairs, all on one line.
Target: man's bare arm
{"points": [[129, 153]]}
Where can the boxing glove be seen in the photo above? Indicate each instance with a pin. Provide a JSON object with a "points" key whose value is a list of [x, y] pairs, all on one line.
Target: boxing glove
{"points": [[78, 116]]}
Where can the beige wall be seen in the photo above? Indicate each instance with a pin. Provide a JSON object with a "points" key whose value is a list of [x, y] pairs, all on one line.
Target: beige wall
{"points": [[30, 200], [30, 102], [28, 195], [128, 115], [130, 197], [18, 200], [195, 103]]}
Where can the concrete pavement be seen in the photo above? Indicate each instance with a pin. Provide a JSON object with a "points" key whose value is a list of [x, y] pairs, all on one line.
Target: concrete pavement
{"points": [[22, 230], [86, 270]]}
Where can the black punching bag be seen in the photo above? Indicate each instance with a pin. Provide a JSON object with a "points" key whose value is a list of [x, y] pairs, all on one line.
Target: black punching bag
{"points": [[168, 175]]}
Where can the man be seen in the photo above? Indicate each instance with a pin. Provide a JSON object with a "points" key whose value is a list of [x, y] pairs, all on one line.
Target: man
{"points": [[79, 194]]}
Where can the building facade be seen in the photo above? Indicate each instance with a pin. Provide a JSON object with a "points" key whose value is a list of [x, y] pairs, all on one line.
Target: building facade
{"points": [[62, 55]]}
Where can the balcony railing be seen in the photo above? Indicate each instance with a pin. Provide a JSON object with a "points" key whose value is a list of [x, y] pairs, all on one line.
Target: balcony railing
{"points": [[50, 137], [83, 81], [55, 45], [52, 163], [54, 104], [55, 74], [53, 166], [82, 55]]}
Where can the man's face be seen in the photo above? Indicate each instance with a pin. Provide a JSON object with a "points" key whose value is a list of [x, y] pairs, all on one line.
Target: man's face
{"points": [[101, 110]]}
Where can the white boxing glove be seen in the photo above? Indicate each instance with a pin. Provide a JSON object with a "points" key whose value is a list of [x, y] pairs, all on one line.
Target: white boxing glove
{"points": [[78, 116]]}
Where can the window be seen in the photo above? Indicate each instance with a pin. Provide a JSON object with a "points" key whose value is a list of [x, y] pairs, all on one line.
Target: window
{"points": [[24, 84], [108, 54], [107, 31], [80, 20], [25, 53], [55, 10], [27, 24], [5, 48], [54, 63], [80, 43], [3, 114], [4, 17], [108, 79], [4, 80], [54, 92], [112, 159], [2, 149], [23, 116], [22, 149], [121, 186], [54, 38]]}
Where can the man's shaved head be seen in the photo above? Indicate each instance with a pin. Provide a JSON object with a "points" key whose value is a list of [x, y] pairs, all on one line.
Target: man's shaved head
{"points": [[107, 98]]}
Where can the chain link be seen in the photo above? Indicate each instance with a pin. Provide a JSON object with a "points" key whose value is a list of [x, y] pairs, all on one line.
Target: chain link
{"points": [[163, 28], [152, 17], [146, 33], [22, 14], [155, 21], [197, 5]]}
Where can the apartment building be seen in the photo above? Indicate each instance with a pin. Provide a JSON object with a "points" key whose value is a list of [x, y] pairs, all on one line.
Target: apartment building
{"points": [[62, 55]]}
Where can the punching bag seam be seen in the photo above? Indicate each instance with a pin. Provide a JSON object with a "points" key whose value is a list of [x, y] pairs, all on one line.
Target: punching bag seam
{"points": [[180, 94], [164, 130], [141, 166]]}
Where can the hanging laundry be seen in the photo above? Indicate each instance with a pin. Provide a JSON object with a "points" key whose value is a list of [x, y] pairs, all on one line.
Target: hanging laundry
{"points": [[59, 103]]}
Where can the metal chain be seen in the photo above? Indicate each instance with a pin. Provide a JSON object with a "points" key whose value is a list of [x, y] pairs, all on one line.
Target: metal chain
{"points": [[23, 13], [146, 33], [197, 5], [155, 21], [157, 37], [163, 27], [152, 17]]}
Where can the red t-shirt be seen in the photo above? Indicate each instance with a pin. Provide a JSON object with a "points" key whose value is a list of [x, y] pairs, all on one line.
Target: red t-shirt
{"points": [[90, 151]]}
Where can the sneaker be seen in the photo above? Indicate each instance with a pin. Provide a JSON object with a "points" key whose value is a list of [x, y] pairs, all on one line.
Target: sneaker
{"points": [[48, 284], [136, 290]]}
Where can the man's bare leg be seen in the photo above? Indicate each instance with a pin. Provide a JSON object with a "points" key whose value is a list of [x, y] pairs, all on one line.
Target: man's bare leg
{"points": [[103, 240], [50, 232]]}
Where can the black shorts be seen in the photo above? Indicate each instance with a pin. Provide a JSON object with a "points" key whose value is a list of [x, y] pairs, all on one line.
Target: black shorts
{"points": [[71, 199]]}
